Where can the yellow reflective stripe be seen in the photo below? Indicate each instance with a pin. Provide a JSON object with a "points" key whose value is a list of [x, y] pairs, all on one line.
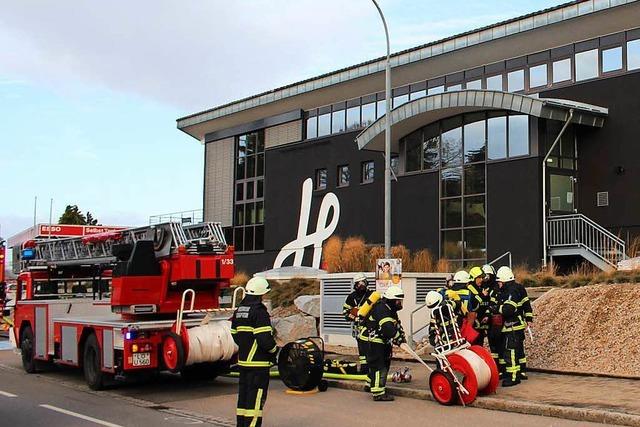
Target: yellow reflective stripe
{"points": [[376, 340], [273, 350], [250, 413], [233, 331], [345, 305], [244, 329], [254, 364], [240, 412], [256, 409], [252, 352], [262, 329], [386, 320]]}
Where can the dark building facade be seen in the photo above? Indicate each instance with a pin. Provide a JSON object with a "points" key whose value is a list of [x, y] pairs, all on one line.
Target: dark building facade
{"points": [[474, 117]]}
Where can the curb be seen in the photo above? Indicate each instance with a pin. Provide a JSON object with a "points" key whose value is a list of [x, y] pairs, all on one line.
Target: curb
{"points": [[517, 406]]}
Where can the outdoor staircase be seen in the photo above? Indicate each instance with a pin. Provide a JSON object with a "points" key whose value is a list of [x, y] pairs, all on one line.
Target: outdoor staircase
{"points": [[577, 235]]}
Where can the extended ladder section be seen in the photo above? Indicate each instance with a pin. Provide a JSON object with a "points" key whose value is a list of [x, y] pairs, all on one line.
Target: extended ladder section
{"points": [[97, 249], [578, 235]]}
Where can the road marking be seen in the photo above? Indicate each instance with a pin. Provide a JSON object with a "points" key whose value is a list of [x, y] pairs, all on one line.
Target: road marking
{"points": [[5, 394], [82, 417]]}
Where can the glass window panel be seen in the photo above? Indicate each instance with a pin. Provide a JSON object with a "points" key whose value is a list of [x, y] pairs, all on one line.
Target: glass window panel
{"points": [[260, 165], [240, 169], [337, 121], [242, 146], [495, 82], [250, 212], [434, 90], [228, 235], [561, 193], [413, 148], [518, 136], [368, 114], [474, 211], [633, 54], [368, 171], [538, 76], [474, 179], [251, 166], [381, 108], [452, 244], [344, 176], [312, 127], [567, 144], [353, 118], [451, 182], [260, 190], [431, 148], [399, 100], [240, 191], [452, 213], [562, 70], [250, 188], [474, 243], [251, 144], [454, 88], [260, 213], [238, 239], [497, 137], [515, 81], [395, 165], [259, 142], [587, 65], [248, 239], [239, 215], [567, 164], [474, 84], [474, 141], [612, 59], [321, 179], [452, 147], [259, 238], [324, 124], [418, 94]]}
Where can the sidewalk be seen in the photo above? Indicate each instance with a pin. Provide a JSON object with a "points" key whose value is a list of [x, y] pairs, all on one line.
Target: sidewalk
{"points": [[582, 398]]}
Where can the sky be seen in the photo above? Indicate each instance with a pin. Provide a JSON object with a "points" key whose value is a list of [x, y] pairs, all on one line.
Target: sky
{"points": [[90, 91]]}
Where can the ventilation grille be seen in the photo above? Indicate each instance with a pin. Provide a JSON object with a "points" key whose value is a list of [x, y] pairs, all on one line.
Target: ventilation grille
{"points": [[602, 198], [426, 284]]}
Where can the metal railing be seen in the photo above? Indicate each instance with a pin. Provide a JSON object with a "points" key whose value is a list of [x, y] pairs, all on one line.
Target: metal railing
{"points": [[194, 216], [506, 254], [577, 230]]}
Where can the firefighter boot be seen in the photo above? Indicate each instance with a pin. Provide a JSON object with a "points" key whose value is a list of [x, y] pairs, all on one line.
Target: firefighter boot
{"points": [[383, 398]]}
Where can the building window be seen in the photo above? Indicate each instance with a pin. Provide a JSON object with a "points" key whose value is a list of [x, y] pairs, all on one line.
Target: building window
{"points": [[518, 135], [418, 94], [395, 165], [474, 139], [247, 233], [312, 127], [474, 84], [633, 54], [344, 176], [515, 81], [337, 121], [454, 88], [612, 59], [435, 90], [324, 124], [368, 114], [494, 82], [381, 107], [562, 70], [587, 65], [367, 172], [497, 138], [321, 179], [353, 118], [564, 155], [399, 100], [538, 76]]}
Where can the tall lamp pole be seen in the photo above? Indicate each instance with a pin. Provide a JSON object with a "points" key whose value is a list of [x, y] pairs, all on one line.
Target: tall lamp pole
{"points": [[387, 143]]}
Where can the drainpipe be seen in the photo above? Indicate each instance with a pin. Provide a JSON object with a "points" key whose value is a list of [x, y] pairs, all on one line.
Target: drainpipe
{"points": [[544, 189]]}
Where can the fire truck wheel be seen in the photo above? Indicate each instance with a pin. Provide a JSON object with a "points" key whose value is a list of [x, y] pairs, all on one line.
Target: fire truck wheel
{"points": [[93, 374], [173, 352], [443, 388], [26, 348], [204, 371]]}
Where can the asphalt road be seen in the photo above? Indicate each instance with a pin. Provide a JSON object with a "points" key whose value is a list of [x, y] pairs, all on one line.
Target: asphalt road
{"points": [[60, 398]]}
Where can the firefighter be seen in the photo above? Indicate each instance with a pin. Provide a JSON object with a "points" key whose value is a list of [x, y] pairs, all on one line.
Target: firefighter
{"points": [[441, 322], [515, 308], [350, 311], [257, 350], [384, 330], [494, 334], [483, 316], [469, 297]]}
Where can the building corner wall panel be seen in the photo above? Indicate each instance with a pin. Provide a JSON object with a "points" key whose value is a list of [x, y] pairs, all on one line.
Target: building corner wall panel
{"points": [[285, 133], [219, 181]]}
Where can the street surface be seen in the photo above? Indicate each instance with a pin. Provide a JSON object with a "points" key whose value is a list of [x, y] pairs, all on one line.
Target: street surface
{"points": [[60, 398]]}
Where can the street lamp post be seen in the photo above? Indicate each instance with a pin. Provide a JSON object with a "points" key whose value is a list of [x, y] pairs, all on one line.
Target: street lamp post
{"points": [[387, 143]]}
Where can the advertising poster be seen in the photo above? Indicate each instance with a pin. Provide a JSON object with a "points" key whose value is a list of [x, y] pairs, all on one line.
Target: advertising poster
{"points": [[388, 272]]}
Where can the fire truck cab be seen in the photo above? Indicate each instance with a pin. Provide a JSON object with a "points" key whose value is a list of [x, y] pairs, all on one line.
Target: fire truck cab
{"points": [[119, 303]]}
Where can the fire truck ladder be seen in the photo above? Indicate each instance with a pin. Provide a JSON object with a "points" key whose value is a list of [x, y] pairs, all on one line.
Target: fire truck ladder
{"points": [[97, 249]]}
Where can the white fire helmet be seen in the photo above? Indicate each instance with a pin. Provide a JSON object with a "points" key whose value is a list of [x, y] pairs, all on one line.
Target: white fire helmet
{"points": [[504, 274], [257, 286]]}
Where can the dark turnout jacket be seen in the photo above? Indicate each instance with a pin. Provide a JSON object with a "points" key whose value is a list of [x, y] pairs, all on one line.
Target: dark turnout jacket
{"points": [[382, 324], [252, 332]]}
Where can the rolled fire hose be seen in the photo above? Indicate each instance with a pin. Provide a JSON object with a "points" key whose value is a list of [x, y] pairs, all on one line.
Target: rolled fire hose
{"points": [[211, 343]]}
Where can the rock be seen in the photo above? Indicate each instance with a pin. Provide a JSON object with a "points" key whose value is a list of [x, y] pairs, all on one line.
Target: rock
{"points": [[291, 328], [308, 304]]}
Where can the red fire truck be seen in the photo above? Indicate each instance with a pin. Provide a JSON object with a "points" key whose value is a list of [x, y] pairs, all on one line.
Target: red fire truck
{"points": [[123, 302]]}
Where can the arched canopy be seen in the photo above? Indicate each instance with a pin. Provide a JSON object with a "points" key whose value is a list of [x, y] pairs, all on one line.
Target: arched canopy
{"points": [[420, 112]]}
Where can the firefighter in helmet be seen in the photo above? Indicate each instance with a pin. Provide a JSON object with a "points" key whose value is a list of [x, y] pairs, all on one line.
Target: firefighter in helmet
{"points": [[515, 308], [481, 294], [384, 330], [469, 297], [441, 322], [350, 311], [257, 350]]}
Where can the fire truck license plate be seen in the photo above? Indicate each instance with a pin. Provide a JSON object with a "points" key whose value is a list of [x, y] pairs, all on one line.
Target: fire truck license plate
{"points": [[141, 359]]}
